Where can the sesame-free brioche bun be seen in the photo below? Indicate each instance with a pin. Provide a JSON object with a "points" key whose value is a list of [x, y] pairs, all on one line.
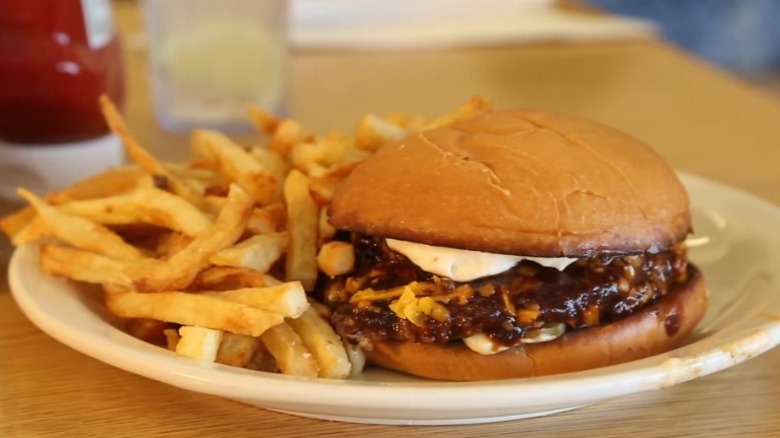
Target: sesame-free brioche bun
{"points": [[653, 330], [518, 182]]}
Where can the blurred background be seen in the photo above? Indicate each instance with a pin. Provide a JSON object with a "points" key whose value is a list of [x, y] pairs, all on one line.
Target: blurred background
{"points": [[741, 36]]}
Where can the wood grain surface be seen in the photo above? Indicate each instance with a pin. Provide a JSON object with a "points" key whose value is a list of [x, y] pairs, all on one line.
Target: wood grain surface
{"points": [[702, 120]]}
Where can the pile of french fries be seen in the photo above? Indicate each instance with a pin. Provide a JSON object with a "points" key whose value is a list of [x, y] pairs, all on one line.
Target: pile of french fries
{"points": [[215, 258]]}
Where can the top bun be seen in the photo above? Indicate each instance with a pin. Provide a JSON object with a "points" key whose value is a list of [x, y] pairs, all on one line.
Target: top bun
{"points": [[518, 182]]}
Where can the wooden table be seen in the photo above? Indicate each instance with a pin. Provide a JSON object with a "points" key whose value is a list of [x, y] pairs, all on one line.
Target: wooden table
{"points": [[703, 121]]}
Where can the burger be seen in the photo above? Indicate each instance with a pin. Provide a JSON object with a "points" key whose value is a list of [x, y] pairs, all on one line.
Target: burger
{"points": [[514, 244]]}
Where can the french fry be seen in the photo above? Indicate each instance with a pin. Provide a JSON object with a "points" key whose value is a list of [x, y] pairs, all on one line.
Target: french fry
{"points": [[108, 183], [34, 231], [268, 219], [172, 243], [148, 206], [287, 347], [317, 157], [287, 134], [288, 299], [193, 309], [373, 132], [84, 266], [263, 120], [14, 223], [201, 178], [326, 346], [171, 338], [141, 156], [221, 278], [321, 191], [317, 152], [272, 161], [177, 272], [336, 258], [237, 350], [81, 233], [475, 107], [302, 216], [258, 252], [199, 343], [237, 164], [323, 185]]}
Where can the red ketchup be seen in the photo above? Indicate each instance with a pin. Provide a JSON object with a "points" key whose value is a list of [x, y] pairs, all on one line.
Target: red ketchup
{"points": [[56, 58]]}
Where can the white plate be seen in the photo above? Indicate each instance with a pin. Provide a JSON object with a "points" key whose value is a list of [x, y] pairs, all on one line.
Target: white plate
{"points": [[737, 246]]}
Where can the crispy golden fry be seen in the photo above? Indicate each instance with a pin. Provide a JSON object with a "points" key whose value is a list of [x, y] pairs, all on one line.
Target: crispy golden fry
{"points": [[264, 220], [238, 350], [263, 120], [81, 233], [267, 219], [324, 343], [36, 230], [319, 152], [276, 213], [302, 216], [287, 134], [476, 106], [221, 278], [257, 252], [85, 266], [148, 206], [336, 258], [144, 159], [287, 347], [14, 223], [213, 204], [373, 132], [318, 157], [151, 275], [111, 182], [171, 338], [237, 164], [178, 271], [193, 309], [322, 186], [288, 299], [321, 191], [172, 243], [199, 343], [271, 161], [202, 178]]}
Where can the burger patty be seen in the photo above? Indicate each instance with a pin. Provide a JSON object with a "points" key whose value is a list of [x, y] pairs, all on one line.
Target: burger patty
{"points": [[506, 307]]}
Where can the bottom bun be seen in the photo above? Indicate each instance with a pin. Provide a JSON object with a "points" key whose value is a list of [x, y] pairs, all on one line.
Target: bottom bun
{"points": [[654, 330]]}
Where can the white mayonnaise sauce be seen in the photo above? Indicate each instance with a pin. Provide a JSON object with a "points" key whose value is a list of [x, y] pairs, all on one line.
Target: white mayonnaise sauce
{"points": [[464, 265]]}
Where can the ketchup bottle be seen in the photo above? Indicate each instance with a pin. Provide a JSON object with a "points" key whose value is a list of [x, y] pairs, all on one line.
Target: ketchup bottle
{"points": [[56, 58]]}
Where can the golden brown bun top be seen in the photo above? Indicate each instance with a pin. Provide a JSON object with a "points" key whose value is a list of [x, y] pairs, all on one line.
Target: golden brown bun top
{"points": [[518, 182]]}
